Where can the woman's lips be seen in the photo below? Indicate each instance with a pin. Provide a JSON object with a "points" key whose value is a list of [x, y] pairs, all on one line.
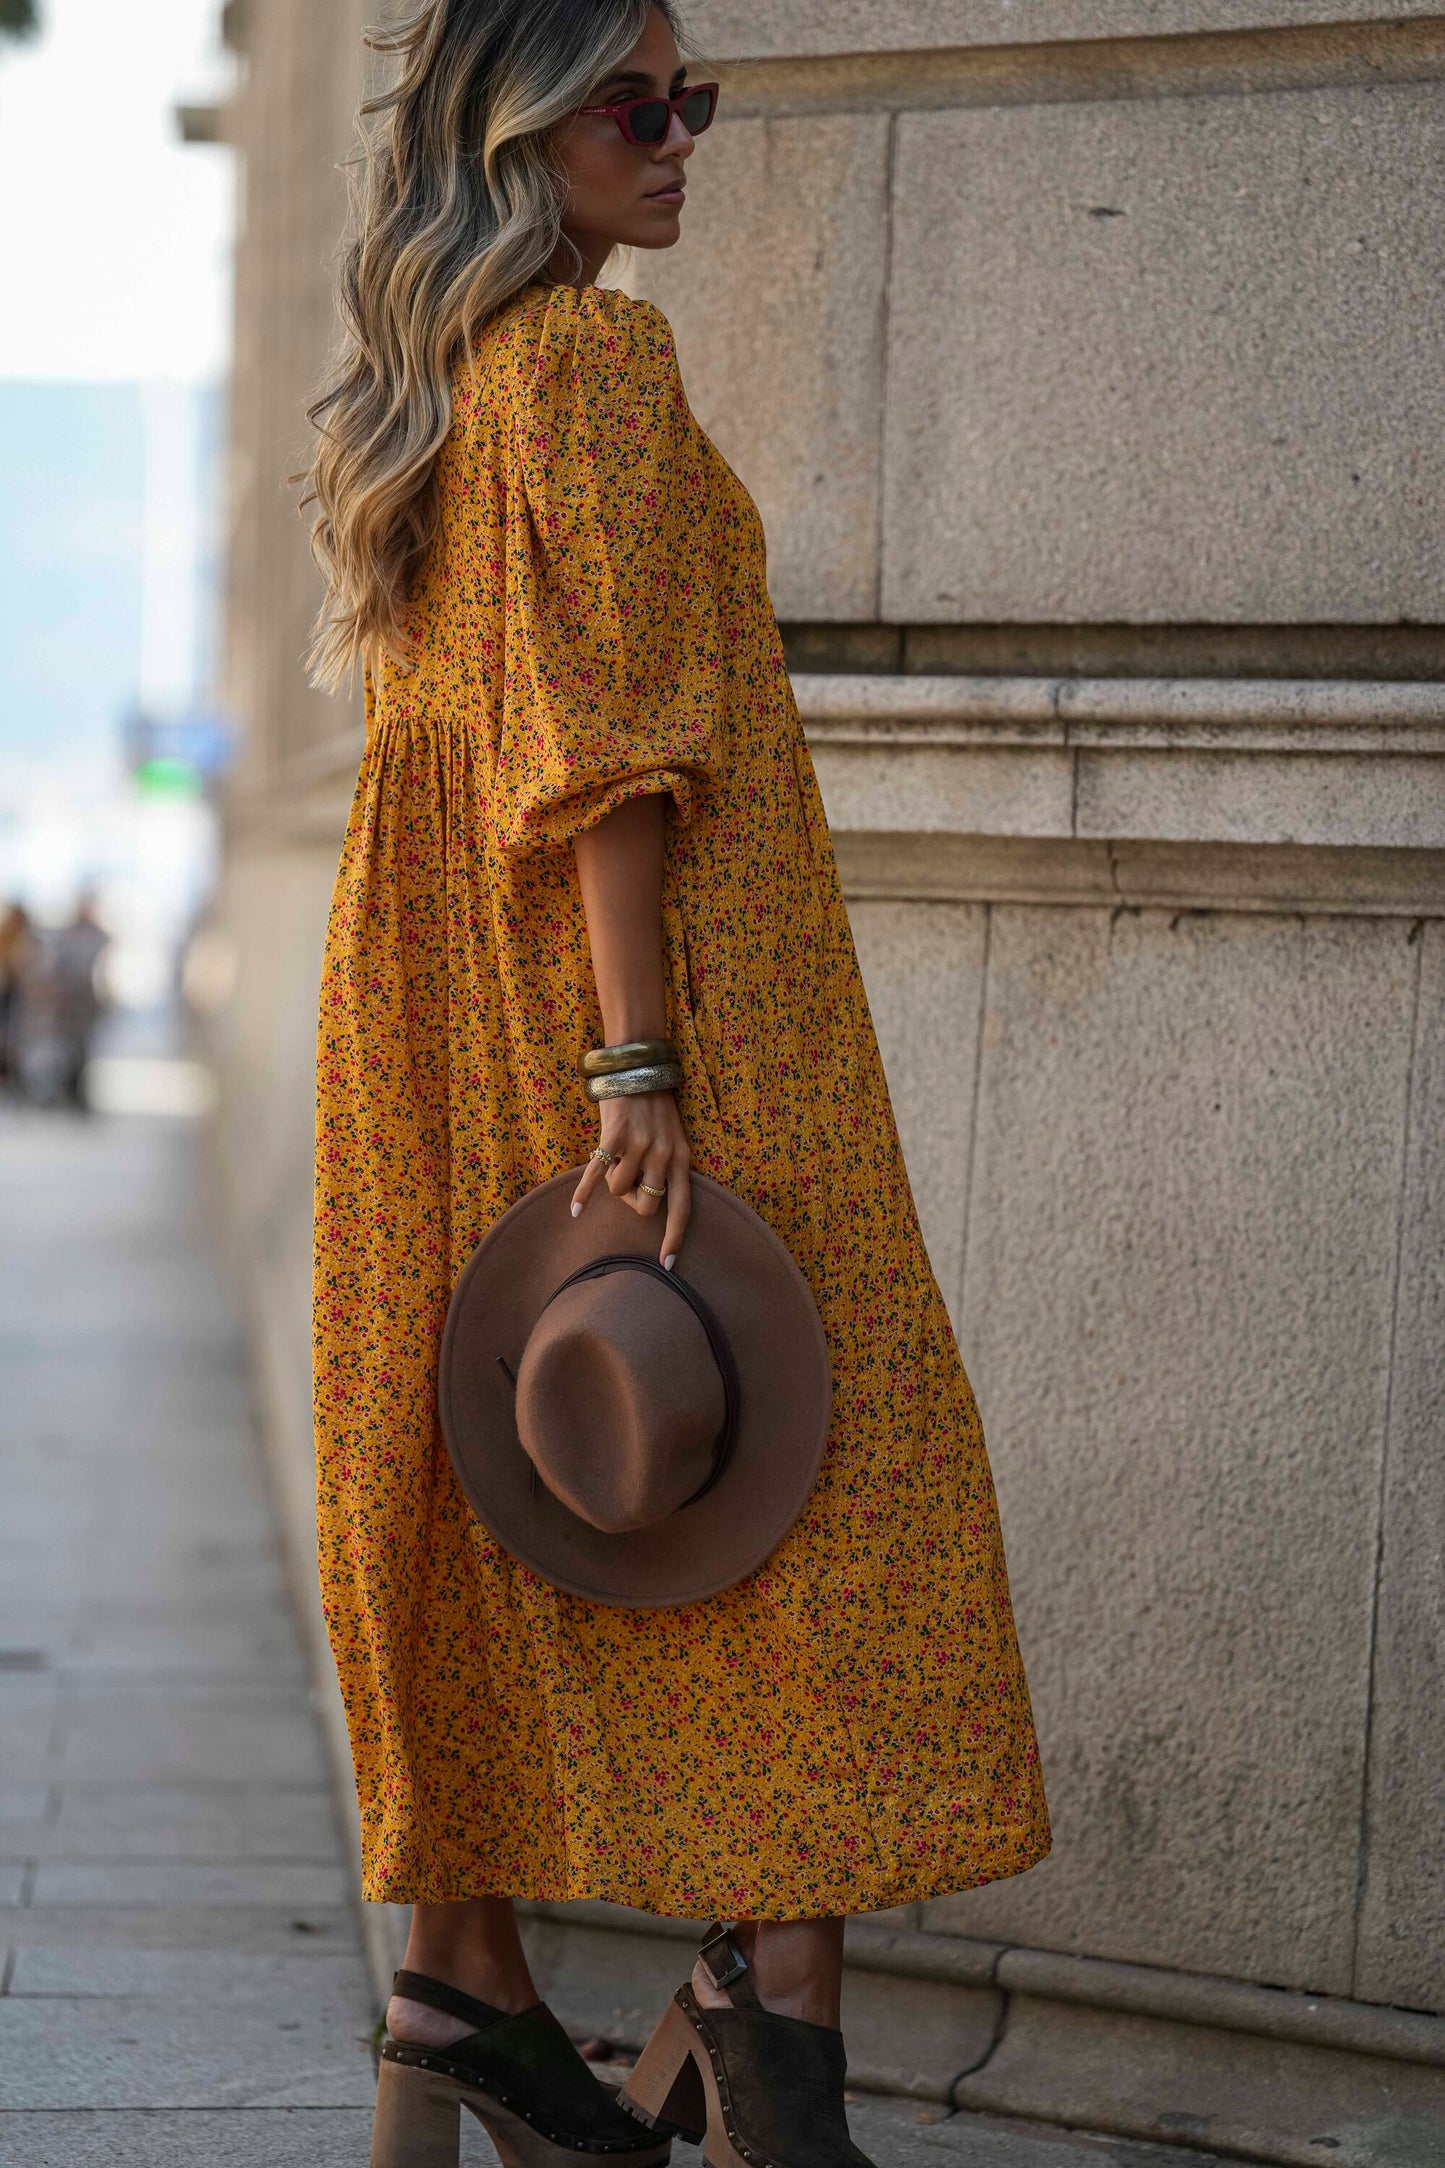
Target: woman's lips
{"points": [[676, 193]]}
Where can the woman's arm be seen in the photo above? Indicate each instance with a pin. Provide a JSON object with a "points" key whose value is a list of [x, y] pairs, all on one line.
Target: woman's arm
{"points": [[619, 863]]}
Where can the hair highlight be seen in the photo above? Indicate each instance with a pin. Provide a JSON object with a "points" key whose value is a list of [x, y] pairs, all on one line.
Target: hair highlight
{"points": [[457, 203]]}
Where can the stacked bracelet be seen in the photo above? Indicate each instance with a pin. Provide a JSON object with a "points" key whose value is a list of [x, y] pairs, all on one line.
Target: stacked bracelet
{"points": [[653, 1076], [636, 1065], [628, 1054]]}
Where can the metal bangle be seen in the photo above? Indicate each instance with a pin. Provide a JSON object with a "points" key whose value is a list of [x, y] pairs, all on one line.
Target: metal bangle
{"points": [[657, 1076], [627, 1054]]}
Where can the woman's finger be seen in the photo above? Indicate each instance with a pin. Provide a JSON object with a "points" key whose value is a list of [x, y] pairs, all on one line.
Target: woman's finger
{"points": [[623, 1176], [679, 1211], [655, 1192], [592, 1174]]}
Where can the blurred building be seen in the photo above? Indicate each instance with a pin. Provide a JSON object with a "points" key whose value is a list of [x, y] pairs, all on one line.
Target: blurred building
{"points": [[1090, 383]]}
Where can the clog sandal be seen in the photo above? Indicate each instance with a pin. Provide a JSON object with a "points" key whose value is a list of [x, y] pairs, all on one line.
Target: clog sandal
{"points": [[768, 2088], [519, 2075]]}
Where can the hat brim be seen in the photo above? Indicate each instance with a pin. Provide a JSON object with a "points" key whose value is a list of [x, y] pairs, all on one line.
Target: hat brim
{"points": [[764, 1305]]}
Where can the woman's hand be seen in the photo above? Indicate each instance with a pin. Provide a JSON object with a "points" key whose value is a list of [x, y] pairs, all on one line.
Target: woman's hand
{"points": [[644, 1138], [619, 867]]}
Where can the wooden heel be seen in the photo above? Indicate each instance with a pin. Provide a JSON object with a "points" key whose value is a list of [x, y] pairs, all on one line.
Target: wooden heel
{"points": [[666, 2083], [520, 2146], [418, 2119]]}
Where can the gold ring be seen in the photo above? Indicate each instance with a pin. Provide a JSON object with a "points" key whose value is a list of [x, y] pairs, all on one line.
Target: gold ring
{"points": [[646, 1189], [600, 1154]]}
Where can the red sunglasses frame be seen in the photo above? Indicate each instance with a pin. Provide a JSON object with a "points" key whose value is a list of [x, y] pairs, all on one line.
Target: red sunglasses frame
{"points": [[621, 112]]}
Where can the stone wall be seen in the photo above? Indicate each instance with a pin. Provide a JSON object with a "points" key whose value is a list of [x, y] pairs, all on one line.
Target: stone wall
{"points": [[1085, 360]]}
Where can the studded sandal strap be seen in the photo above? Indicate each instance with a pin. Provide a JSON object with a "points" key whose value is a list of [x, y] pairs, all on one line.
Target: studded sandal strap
{"points": [[726, 1966], [438, 1995]]}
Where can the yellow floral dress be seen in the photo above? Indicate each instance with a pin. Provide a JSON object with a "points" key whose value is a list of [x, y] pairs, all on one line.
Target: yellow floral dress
{"points": [[849, 1728]]}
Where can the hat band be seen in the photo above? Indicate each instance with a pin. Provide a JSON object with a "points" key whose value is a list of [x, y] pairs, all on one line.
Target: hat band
{"points": [[722, 1354]]}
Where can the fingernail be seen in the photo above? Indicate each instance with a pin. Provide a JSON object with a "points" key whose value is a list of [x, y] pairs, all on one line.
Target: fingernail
{"points": [[669, 1262], [576, 1209]]}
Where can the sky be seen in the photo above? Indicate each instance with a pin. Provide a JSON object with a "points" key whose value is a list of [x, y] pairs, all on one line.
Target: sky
{"points": [[115, 266], [116, 235]]}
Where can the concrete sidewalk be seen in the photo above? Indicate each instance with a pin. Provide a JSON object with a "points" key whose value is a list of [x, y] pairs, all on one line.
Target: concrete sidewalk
{"points": [[183, 1978]]}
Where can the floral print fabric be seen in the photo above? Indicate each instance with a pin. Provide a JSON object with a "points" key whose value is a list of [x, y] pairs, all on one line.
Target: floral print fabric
{"points": [[849, 1728]]}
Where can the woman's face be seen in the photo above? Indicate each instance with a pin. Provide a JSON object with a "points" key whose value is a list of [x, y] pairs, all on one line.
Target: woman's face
{"points": [[621, 193]]}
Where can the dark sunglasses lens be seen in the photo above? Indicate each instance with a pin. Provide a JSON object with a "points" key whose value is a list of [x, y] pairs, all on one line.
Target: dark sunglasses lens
{"points": [[650, 119], [696, 111]]}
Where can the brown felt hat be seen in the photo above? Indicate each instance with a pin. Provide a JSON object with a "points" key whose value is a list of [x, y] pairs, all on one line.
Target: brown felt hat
{"points": [[635, 1436]]}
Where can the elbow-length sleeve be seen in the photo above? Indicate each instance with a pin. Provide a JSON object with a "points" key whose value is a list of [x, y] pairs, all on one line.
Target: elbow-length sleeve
{"points": [[613, 682]]}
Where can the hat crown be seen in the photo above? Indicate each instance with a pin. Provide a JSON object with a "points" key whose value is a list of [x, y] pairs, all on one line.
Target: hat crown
{"points": [[620, 1403], [704, 1403]]}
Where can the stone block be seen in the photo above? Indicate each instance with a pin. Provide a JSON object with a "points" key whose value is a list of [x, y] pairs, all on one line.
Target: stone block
{"points": [[923, 968], [606, 1982], [237, 1822], [1268, 2100], [897, 2134], [901, 2134], [1177, 1304], [1394, 804], [1401, 1955], [993, 791], [1171, 359], [223, 1978], [263, 1648], [756, 29], [22, 1804], [133, 2054], [776, 297], [294, 1884], [167, 1738], [250, 2138], [912, 2037], [29, 1738], [316, 1931]]}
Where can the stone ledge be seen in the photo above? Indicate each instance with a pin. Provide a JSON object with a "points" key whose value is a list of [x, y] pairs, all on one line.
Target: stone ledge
{"points": [[1131, 2050], [1102, 1983], [1209, 794], [1251, 2097], [888, 867], [1280, 763], [1083, 70], [1244, 715], [815, 29]]}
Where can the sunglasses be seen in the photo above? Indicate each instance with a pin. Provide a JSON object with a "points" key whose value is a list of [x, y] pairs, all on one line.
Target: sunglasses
{"points": [[646, 121]]}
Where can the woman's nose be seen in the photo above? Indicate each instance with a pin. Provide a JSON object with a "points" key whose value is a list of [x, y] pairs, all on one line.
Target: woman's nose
{"points": [[677, 140]]}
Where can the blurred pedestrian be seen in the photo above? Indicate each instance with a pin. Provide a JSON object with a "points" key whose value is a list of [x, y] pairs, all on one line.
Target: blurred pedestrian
{"points": [[17, 950], [58, 1007], [79, 946]]}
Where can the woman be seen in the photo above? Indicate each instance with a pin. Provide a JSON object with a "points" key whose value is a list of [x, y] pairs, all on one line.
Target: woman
{"points": [[17, 948], [586, 813]]}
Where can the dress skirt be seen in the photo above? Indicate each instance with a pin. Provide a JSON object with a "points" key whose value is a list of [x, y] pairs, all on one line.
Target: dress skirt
{"points": [[850, 1727]]}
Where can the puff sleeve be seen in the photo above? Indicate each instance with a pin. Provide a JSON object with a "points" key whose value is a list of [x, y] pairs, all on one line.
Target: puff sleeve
{"points": [[613, 682]]}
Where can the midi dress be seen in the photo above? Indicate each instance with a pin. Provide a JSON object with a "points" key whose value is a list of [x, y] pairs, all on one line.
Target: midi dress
{"points": [[849, 1728]]}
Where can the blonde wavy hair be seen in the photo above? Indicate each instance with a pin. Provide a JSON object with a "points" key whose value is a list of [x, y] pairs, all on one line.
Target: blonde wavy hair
{"points": [[457, 202]]}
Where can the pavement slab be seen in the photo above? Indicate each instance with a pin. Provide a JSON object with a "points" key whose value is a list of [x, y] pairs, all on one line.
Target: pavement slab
{"points": [[258, 2138], [226, 1979], [172, 1822], [295, 1883], [174, 2052], [177, 1927], [179, 1951]]}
